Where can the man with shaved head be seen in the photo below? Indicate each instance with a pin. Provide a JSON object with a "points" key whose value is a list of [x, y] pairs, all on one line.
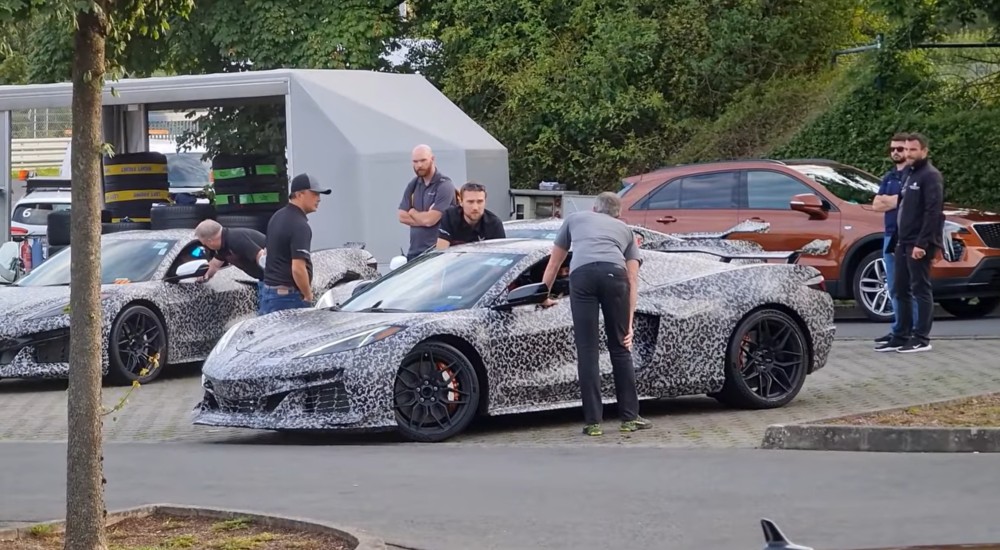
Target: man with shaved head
{"points": [[425, 200]]}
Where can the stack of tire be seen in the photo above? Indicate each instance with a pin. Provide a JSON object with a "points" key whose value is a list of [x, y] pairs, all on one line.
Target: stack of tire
{"points": [[249, 189], [58, 228], [133, 183], [180, 216]]}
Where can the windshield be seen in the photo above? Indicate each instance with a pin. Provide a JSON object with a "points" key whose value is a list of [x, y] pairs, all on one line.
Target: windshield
{"points": [[848, 184], [131, 261], [187, 170], [438, 281]]}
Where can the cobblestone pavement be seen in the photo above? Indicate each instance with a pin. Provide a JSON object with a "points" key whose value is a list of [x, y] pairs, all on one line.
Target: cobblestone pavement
{"points": [[855, 380]]}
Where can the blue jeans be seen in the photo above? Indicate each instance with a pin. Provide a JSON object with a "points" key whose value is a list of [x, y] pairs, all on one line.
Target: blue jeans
{"points": [[890, 276], [271, 300]]}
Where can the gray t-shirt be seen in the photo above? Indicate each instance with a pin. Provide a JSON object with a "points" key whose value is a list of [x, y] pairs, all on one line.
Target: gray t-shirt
{"points": [[439, 195], [596, 237]]}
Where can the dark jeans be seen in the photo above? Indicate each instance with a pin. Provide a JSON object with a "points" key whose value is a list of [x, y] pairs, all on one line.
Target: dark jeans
{"points": [[273, 299], [913, 293], [594, 288]]}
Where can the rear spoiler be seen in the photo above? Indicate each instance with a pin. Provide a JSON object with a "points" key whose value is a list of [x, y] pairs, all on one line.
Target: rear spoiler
{"points": [[48, 184], [727, 256], [746, 226], [816, 247]]}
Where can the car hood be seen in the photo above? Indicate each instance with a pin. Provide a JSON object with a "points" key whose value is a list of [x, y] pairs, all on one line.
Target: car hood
{"points": [[18, 303], [294, 331], [970, 214]]}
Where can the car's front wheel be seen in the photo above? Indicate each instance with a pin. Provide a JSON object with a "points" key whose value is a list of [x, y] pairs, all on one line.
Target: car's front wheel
{"points": [[436, 393], [137, 346], [871, 290], [767, 360]]}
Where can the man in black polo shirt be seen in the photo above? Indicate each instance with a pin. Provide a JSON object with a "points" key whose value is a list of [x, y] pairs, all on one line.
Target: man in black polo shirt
{"points": [[238, 246], [424, 201], [469, 221], [288, 266]]}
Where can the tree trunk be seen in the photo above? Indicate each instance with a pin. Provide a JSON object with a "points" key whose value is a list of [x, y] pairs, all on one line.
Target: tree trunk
{"points": [[85, 512]]}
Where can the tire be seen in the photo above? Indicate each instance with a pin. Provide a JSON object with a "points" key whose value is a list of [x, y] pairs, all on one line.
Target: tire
{"points": [[424, 375], [872, 299], [118, 227], [970, 308], [133, 182], [136, 320], [248, 183], [256, 221], [179, 216], [57, 228], [741, 388]]}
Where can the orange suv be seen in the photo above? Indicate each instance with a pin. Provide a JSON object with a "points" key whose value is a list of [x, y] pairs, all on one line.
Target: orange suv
{"points": [[811, 199]]}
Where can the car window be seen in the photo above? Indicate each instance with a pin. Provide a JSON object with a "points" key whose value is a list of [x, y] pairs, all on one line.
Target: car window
{"points": [[544, 234], [438, 281], [848, 184], [701, 191], [771, 190], [36, 213], [187, 170], [122, 261]]}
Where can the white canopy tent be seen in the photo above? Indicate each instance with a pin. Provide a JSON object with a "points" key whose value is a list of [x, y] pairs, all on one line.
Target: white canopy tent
{"points": [[354, 130]]}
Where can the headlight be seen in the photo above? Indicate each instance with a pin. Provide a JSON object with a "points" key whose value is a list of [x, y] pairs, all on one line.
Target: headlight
{"points": [[354, 341], [953, 246], [223, 342]]}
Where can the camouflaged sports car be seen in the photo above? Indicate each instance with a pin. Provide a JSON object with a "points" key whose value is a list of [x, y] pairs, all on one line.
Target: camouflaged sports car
{"points": [[153, 307], [457, 333]]}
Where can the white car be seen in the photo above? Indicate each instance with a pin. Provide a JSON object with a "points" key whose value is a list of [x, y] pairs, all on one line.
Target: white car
{"points": [[44, 196]]}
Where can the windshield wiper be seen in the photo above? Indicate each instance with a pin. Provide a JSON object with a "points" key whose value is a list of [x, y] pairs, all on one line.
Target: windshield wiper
{"points": [[376, 309]]}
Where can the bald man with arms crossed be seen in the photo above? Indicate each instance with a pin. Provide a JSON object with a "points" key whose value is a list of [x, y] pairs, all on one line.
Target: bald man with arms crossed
{"points": [[425, 199]]}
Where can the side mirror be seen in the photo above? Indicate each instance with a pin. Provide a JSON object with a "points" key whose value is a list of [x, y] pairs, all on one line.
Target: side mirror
{"points": [[10, 262], [191, 270], [525, 295], [810, 204], [397, 262]]}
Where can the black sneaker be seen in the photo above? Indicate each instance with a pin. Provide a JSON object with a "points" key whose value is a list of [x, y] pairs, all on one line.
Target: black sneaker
{"points": [[883, 339], [914, 346], [894, 344]]}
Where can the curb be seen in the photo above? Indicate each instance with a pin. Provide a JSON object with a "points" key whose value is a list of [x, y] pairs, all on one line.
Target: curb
{"points": [[361, 540], [833, 437]]}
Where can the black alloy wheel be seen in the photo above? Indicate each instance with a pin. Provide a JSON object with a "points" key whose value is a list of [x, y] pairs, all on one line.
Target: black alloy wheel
{"points": [[137, 346], [435, 394], [766, 361]]}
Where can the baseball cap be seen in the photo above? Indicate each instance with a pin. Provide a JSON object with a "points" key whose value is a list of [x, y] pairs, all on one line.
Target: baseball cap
{"points": [[305, 182]]}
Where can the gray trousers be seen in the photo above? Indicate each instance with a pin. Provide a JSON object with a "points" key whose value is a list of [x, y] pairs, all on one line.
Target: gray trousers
{"points": [[594, 288]]}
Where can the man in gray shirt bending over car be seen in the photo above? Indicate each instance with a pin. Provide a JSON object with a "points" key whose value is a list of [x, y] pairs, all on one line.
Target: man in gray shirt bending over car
{"points": [[603, 277]]}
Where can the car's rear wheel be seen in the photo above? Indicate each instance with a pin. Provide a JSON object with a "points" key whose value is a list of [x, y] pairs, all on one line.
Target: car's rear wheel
{"points": [[970, 308], [436, 393], [871, 290], [137, 346], [767, 360]]}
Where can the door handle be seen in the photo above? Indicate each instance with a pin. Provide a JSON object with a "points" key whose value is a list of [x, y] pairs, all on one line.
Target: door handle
{"points": [[666, 219]]}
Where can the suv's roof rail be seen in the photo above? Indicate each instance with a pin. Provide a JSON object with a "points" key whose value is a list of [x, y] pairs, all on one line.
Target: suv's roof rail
{"points": [[48, 184], [721, 161], [814, 161]]}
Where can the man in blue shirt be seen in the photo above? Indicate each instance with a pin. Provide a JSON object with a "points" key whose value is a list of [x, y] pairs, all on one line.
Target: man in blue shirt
{"points": [[886, 201]]}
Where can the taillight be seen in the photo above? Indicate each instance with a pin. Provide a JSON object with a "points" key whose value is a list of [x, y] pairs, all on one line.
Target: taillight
{"points": [[18, 231], [817, 283]]}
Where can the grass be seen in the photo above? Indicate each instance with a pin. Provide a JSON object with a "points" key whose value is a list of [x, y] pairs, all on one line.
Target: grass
{"points": [[982, 411]]}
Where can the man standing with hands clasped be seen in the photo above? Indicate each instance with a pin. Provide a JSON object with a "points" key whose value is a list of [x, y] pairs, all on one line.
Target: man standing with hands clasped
{"points": [[603, 277], [918, 239], [288, 269]]}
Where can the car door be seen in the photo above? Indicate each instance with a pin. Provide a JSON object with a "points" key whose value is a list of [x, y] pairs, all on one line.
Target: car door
{"points": [[693, 203], [766, 197]]}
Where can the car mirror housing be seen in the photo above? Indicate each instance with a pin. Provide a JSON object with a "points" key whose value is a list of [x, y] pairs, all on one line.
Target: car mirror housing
{"points": [[190, 270], [810, 204], [525, 295]]}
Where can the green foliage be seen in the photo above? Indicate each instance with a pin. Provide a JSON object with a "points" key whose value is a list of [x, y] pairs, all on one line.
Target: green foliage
{"points": [[586, 92]]}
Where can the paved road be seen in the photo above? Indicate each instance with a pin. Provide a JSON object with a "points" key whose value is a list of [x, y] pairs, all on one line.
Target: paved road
{"points": [[445, 498], [851, 325], [856, 379]]}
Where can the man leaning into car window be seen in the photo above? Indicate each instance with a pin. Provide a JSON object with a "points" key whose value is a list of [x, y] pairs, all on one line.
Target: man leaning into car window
{"points": [[238, 246], [603, 278]]}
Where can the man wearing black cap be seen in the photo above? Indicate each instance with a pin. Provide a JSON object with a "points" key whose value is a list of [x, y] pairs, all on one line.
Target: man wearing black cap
{"points": [[288, 268]]}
